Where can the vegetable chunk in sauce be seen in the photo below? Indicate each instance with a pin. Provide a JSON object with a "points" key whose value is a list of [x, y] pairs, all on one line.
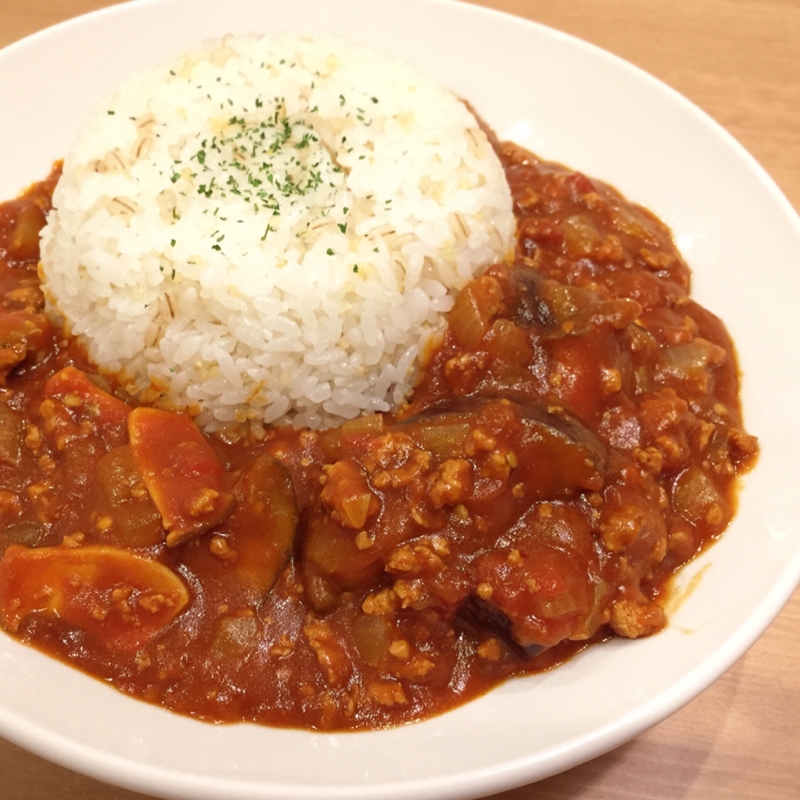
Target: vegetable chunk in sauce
{"points": [[180, 471], [118, 596], [574, 438]]}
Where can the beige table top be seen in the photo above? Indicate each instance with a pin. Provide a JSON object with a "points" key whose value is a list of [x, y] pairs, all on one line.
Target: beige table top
{"points": [[740, 61]]}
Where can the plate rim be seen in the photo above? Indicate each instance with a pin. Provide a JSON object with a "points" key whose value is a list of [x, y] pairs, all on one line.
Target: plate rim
{"points": [[625, 728]]}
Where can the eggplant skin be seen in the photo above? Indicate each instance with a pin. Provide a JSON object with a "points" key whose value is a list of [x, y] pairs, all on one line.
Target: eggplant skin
{"points": [[481, 615], [565, 454]]}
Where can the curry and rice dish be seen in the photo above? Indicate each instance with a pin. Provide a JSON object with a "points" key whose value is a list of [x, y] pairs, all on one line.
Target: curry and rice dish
{"points": [[319, 407]]}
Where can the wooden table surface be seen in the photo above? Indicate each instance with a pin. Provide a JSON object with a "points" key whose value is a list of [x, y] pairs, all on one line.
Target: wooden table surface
{"points": [[739, 60]]}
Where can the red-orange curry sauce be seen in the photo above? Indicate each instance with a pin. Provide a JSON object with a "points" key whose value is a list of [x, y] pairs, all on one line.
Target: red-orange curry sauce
{"points": [[574, 439]]}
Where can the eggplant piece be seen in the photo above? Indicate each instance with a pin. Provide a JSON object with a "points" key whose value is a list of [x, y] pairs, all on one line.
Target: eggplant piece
{"points": [[562, 453], [562, 309], [331, 562], [543, 588], [244, 556], [25, 533], [557, 454], [137, 521], [22, 334], [530, 304], [479, 615], [263, 525]]}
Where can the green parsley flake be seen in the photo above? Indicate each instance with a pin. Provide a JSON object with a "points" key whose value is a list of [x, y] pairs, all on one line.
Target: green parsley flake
{"points": [[262, 151]]}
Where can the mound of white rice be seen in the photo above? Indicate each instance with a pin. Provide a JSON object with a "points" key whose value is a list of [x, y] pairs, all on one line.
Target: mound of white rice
{"points": [[269, 229]]}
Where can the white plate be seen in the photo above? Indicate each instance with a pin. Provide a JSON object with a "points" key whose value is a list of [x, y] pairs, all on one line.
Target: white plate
{"points": [[567, 101]]}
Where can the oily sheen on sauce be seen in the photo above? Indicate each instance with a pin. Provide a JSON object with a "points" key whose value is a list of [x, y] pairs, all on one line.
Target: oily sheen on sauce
{"points": [[574, 438]]}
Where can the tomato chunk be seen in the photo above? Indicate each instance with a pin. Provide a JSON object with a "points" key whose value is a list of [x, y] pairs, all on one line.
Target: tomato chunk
{"points": [[181, 472], [121, 598], [89, 403]]}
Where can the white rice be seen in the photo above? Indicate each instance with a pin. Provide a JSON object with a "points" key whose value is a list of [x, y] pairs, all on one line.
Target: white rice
{"points": [[270, 228]]}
